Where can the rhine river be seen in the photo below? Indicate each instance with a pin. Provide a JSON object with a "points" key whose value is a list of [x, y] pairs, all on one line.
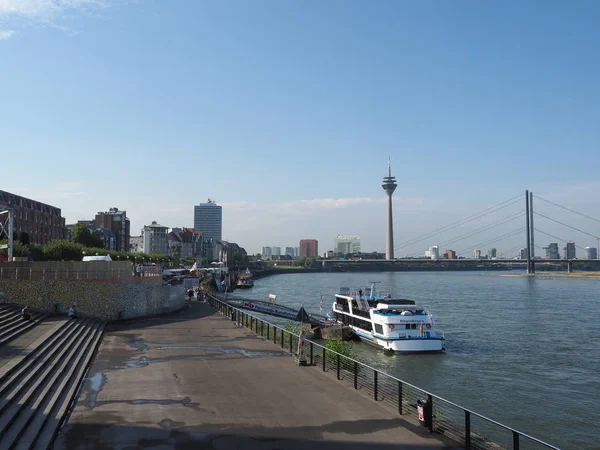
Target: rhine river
{"points": [[520, 350]]}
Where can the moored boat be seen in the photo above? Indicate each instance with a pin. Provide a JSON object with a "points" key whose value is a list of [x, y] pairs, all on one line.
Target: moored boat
{"points": [[397, 325], [245, 280]]}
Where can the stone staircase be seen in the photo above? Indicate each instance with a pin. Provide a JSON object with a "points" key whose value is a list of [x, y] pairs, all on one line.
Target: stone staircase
{"points": [[11, 323], [39, 384]]}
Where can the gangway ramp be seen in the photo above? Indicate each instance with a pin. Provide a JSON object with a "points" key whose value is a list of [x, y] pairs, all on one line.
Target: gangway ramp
{"points": [[271, 309]]}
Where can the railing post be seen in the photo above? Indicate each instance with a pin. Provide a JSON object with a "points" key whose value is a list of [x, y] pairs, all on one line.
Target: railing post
{"points": [[355, 375], [467, 430], [311, 353], [324, 359], [430, 400], [515, 440], [338, 366], [400, 397], [282, 339], [262, 327], [274, 335], [375, 384], [291, 342]]}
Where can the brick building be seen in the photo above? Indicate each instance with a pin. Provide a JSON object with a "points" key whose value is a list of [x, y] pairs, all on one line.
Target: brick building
{"points": [[117, 222], [43, 223], [309, 248]]}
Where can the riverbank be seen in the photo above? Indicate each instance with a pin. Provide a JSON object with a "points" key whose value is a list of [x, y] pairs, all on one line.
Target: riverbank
{"points": [[195, 380]]}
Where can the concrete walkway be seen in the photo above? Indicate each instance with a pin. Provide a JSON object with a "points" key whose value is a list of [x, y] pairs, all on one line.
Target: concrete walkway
{"points": [[193, 380]]}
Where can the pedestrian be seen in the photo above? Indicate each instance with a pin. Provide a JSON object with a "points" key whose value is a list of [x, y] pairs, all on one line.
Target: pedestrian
{"points": [[25, 314], [73, 312]]}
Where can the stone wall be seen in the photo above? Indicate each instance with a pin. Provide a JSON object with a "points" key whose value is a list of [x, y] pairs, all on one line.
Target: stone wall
{"points": [[65, 270], [107, 299]]}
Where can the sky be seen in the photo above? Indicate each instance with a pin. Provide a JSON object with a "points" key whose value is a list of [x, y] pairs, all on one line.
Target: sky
{"points": [[285, 113]]}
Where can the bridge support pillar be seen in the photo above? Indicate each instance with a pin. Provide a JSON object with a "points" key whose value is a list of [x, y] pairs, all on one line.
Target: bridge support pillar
{"points": [[569, 266]]}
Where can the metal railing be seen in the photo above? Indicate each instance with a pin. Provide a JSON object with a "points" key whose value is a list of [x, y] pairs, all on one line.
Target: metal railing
{"points": [[462, 425]]}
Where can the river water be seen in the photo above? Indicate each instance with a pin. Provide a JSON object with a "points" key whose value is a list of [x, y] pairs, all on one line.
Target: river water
{"points": [[520, 350]]}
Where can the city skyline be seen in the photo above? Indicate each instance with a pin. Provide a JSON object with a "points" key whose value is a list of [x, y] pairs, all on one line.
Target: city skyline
{"points": [[458, 96]]}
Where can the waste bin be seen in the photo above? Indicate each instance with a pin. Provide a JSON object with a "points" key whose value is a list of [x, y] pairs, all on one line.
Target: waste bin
{"points": [[425, 412]]}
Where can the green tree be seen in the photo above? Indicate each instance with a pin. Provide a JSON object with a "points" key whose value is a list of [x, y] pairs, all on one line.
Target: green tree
{"points": [[58, 250], [24, 238], [81, 235]]}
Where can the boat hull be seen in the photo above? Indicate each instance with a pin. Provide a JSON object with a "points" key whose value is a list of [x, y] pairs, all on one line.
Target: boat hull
{"points": [[406, 346]]}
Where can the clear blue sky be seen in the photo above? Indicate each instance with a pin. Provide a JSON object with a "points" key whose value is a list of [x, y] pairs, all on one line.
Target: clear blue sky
{"points": [[270, 107]]}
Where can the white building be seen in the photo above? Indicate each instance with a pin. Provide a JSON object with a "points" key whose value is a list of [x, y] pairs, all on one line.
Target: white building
{"points": [[208, 218], [591, 253], [135, 244], [276, 251], [347, 244], [154, 239], [267, 253], [289, 251], [477, 254], [434, 252], [296, 252]]}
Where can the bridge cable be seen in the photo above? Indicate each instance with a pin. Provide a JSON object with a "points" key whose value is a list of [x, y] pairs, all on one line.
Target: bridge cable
{"points": [[479, 230], [568, 226], [499, 238], [555, 237], [462, 221], [568, 209]]}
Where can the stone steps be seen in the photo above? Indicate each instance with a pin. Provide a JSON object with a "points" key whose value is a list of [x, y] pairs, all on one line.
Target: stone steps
{"points": [[38, 386], [12, 325]]}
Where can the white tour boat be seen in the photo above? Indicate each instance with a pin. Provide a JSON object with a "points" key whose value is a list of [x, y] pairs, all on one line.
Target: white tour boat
{"points": [[397, 325]]}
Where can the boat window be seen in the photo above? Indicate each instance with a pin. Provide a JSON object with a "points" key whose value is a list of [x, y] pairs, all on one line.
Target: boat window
{"points": [[378, 328], [408, 326], [414, 326]]}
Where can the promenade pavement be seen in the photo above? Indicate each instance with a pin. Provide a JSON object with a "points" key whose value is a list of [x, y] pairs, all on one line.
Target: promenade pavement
{"points": [[194, 380]]}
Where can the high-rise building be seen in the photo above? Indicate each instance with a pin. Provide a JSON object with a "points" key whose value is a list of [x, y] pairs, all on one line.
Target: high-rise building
{"points": [[477, 254], [569, 250], [523, 253], [290, 251], [491, 253], [591, 253], [208, 218], [552, 251], [296, 252], [434, 252], [309, 248], [267, 253], [449, 254], [154, 239], [276, 251], [347, 244], [116, 221], [42, 223], [389, 186]]}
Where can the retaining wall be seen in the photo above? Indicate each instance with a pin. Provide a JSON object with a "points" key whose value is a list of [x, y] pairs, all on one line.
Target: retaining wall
{"points": [[104, 298]]}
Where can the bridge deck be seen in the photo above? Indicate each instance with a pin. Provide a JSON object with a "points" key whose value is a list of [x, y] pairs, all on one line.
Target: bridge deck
{"points": [[194, 380]]}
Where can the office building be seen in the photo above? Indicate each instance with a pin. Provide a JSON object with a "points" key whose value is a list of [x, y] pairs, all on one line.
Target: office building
{"points": [[290, 251], [523, 253], [276, 251], [449, 254], [296, 252], [117, 222], [42, 222], [154, 239], [208, 218], [552, 251], [267, 253], [569, 250], [491, 253], [434, 252], [477, 254], [591, 253], [309, 248], [346, 244]]}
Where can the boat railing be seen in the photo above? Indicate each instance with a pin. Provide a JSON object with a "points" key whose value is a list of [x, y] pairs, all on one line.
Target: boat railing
{"points": [[465, 426]]}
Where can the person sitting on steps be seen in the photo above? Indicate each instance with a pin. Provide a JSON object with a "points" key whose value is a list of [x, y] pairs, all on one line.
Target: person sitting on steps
{"points": [[25, 314], [73, 312]]}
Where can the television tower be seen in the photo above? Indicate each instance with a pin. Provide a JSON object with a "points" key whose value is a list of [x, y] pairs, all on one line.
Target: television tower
{"points": [[389, 186]]}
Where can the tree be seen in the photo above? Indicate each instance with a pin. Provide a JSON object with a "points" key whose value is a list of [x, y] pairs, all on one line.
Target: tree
{"points": [[81, 235], [258, 256], [58, 250], [24, 238]]}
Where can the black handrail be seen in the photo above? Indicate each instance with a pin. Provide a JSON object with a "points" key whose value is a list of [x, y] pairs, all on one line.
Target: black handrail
{"points": [[470, 438]]}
